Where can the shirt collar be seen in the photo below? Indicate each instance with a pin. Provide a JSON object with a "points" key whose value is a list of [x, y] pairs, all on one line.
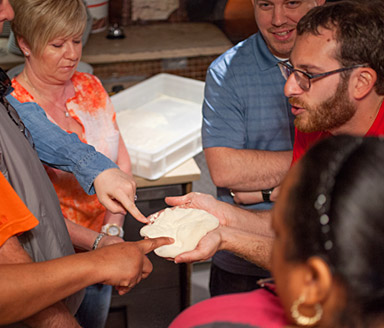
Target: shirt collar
{"points": [[265, 58]]}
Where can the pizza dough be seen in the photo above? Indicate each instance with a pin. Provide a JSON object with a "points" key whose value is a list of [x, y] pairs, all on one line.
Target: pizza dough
{"points": [[185, 225]]}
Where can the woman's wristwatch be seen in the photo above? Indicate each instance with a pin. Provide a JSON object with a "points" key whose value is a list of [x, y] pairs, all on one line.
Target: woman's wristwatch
{"points": [[112, 229]]}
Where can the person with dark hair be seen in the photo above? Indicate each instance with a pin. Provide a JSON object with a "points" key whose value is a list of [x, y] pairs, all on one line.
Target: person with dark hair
{"points": [[328, 224], [335, 86], [339, 50]]}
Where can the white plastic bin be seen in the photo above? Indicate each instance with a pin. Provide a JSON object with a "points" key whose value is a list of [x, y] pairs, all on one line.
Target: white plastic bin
{"points": [[160, 122]]}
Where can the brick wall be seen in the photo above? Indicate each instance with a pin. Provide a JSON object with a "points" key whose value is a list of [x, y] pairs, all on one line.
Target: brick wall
{"points": [[127, 12]]}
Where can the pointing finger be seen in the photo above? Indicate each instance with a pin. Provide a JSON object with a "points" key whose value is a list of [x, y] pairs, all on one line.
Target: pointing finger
{"points": [[150, 244]]}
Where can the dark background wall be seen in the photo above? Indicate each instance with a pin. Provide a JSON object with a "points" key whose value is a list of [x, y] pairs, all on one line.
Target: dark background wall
{"points": [[234, 17]]}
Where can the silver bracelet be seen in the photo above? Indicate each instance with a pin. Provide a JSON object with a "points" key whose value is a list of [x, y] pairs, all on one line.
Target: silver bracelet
{"points": [[97, 240]]}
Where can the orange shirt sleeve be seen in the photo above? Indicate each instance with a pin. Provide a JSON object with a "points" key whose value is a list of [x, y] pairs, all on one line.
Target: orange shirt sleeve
{"points": [[15, 218]]}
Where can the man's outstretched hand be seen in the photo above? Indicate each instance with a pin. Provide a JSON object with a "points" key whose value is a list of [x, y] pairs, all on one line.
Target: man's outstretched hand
{"points": [[124, 265]]}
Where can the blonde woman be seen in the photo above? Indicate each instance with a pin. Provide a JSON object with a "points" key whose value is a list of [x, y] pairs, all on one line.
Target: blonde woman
{"points": [[49, 33]]}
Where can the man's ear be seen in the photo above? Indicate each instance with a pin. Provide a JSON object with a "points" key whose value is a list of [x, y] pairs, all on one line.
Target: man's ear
{"points": [[320, 2], [317, 281], [363, 81]]}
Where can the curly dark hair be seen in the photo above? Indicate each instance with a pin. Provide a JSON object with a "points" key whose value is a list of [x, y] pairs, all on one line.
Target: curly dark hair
{"points": [[347, 174], [358, 27]]}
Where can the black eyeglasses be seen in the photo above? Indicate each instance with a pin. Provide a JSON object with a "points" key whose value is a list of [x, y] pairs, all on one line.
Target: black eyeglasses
{"points": [[303, 79], [5, 89]]}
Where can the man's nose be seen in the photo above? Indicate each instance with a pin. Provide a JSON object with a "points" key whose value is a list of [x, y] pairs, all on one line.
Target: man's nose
{"points": [[291, 87], [279, 16], [6, 12]]}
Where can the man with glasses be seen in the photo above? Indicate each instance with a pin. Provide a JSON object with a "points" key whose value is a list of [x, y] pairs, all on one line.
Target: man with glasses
{"points": [[335, 86], [336, 81]]}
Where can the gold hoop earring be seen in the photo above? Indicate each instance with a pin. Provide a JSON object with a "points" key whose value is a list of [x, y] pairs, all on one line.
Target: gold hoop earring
{"points": [[301, 319]]}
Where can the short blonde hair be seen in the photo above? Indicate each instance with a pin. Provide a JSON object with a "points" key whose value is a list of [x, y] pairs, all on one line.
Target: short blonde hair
{"points": [[40, 21]]}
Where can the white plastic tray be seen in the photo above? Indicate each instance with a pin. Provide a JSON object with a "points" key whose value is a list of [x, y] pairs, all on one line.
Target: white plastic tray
{"points": [[160, 122]]}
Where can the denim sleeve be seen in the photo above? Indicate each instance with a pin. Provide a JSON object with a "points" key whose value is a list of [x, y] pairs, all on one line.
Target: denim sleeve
{"points": [[60, 149]]}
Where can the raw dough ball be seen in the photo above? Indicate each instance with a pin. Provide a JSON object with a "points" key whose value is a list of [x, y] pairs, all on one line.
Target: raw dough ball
{"points": [[185, 225]]}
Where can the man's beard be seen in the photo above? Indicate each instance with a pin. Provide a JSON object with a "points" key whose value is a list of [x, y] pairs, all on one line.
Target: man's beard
{"points": [[330, 114]]}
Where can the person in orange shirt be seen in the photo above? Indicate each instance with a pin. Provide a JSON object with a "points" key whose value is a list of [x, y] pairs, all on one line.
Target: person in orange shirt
{"points": [[30, 287], [15, 218]]}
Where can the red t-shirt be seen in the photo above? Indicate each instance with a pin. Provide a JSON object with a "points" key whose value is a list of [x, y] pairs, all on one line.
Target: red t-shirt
{"points": [[258, 308], [15, 217], [305, 140]]}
